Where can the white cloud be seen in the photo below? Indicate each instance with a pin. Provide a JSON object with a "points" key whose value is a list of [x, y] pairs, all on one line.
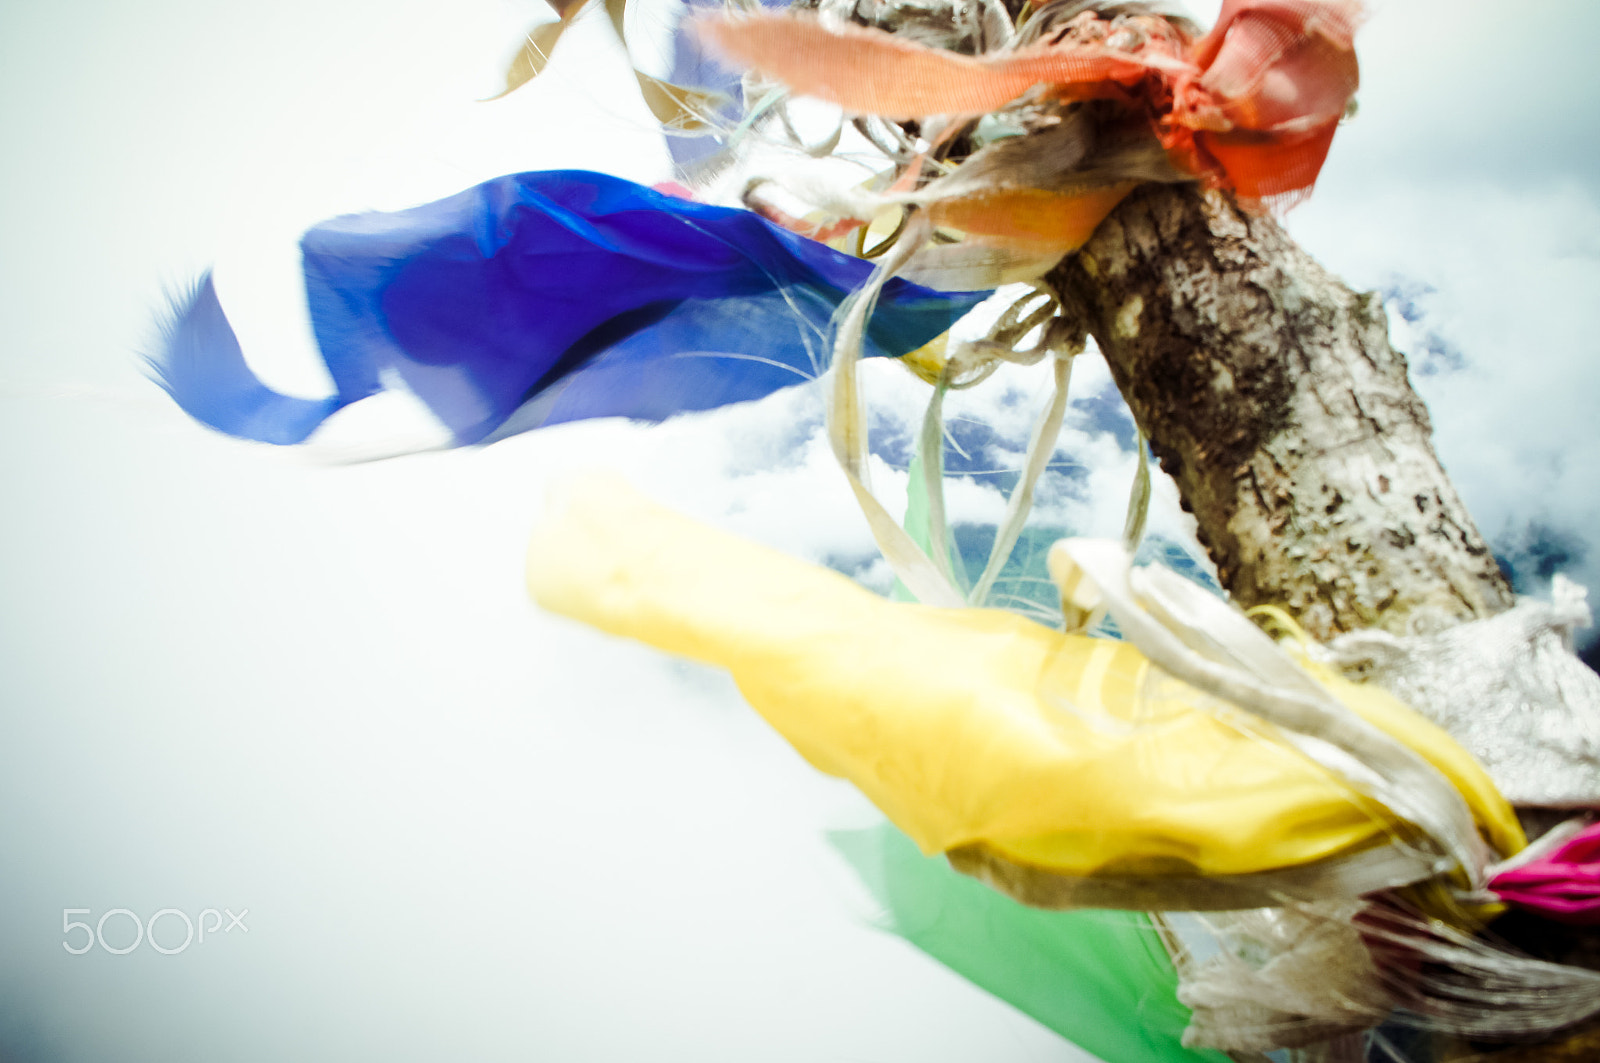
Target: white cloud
{"points": [[1505, 277]]}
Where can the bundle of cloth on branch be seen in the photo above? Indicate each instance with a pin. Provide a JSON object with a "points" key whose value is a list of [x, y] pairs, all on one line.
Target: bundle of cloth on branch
{"points": [[1346, 852], [1196, 837]]}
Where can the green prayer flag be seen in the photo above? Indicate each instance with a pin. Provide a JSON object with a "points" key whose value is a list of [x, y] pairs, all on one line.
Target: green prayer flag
{"points": [[1101, 979]]}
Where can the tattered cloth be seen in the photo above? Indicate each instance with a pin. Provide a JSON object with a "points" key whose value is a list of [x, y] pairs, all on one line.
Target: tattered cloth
{"points": [[1509, 688], [1563, 885], [1251, 106], [539, 298]]}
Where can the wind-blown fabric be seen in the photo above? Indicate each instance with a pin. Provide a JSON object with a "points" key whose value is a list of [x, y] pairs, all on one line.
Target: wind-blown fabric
{"points": [[1564, 885], [694, 66], [1252, 106], [978, 732], [1099, 978], [538, 298]]}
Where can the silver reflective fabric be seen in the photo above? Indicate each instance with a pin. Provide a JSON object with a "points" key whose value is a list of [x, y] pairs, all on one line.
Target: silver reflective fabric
{"points": [[1281, 978], [1508, 688]]}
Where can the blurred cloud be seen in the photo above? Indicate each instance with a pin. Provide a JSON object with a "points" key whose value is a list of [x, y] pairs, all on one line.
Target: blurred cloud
{"points": [[1490, 287], [1477, 91]]}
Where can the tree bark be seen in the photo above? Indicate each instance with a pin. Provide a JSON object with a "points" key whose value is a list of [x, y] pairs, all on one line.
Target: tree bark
{"points": [[1270, 393]]}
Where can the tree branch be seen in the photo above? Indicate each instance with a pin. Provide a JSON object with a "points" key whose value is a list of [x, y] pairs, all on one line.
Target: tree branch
{"points": [[1270, 393]]}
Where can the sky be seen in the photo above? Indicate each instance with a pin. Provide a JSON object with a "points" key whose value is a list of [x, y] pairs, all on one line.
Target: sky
{"points": [[237, 677]]}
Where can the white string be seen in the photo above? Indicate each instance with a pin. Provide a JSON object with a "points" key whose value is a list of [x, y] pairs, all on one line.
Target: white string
{"points": [[847, 429], [1041, 447]]}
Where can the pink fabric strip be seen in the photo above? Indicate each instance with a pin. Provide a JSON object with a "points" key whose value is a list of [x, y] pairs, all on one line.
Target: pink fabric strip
{"points": [[1564, 885]]}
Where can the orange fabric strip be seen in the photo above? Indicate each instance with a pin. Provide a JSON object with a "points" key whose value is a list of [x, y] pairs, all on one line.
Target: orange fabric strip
{"points": [[868, 71], [1251, 106], [1031, 219]]}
